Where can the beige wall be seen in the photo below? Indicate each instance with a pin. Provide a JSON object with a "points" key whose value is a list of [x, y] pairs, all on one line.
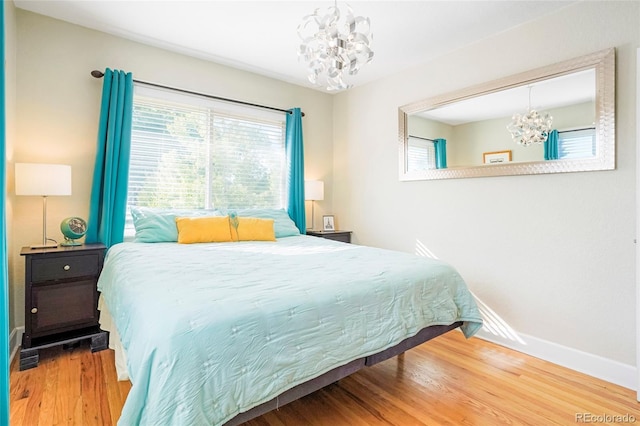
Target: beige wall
{"points": [[551, 255], [10, 111], [430, 129], [58, 106]]}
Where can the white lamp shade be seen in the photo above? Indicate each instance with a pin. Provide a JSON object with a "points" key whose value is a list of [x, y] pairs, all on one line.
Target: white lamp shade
{"points": [[313, 190], [43, 179]]}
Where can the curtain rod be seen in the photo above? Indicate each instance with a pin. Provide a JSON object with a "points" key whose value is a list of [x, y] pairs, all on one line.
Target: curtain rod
{"points": [[419, 137], [576, 129], [100, 74]]}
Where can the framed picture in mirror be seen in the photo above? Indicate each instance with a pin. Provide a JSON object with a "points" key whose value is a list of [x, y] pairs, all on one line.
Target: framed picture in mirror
{"points": [[496, 157]]}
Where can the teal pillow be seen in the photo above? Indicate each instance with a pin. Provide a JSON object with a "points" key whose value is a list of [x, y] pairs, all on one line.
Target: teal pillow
{"points": [[159, 225], [282, 225]]}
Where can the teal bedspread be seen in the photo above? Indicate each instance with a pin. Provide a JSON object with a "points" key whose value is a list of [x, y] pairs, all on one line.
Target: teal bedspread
{"points": [[212, 330]]}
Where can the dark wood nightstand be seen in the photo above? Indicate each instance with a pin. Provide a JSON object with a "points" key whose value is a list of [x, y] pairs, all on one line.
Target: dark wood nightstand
{"points": [[61, 299], [344, 236]]}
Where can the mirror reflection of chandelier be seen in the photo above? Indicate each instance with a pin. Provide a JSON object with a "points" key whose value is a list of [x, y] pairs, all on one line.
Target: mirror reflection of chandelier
{"points": [[332, 48], [530, 127]]}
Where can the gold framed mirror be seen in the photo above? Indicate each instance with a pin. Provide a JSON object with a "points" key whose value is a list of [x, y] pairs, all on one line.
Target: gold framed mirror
{"points": [[472, 132]]}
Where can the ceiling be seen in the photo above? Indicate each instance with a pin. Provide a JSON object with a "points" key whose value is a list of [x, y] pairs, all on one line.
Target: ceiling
{"points": [[261, 36]]}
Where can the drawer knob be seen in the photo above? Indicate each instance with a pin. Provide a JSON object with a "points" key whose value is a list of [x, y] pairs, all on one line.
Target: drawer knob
{"points": [[34, 310], [66, 267]]}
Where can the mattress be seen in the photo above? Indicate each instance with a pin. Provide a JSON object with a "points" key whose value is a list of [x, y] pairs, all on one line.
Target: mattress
{"points": [[212, 330]]}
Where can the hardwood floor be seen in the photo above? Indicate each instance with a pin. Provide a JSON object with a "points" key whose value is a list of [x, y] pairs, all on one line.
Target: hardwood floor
{"points": [[74, 387], [447, 381]]}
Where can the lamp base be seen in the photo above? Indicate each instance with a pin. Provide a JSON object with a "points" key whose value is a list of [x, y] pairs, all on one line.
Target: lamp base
{"points": [[45, 240], [42, 246]]}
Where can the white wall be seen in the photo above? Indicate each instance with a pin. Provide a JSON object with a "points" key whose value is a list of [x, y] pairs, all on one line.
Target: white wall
{"points": [[552, 255], [58, 105]]}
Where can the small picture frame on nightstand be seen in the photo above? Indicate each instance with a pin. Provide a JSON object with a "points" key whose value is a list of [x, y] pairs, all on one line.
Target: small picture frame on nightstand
{"points": [[328, 223]]}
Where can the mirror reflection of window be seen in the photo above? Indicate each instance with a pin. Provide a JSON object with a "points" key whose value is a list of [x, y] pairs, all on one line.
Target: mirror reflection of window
{"points": [[421, 154], [578, 143]]}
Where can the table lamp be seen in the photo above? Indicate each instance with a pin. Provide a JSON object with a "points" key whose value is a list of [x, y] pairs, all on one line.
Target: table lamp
{"points": [[313, 191], [43, 180]]}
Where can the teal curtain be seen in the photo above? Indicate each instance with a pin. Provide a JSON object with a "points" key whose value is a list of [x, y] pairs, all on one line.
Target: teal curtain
{"points": [[4, 267], [108, 205], [295, 169], [441, 153], [551, 146]]}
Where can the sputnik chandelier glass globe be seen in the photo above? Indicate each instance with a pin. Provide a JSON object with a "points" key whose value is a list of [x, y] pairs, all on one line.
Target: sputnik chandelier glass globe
{"points": [[531, 127], [333, 48]]}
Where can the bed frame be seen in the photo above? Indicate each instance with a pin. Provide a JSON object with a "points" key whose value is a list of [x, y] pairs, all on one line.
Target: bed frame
{"points": [[338, 373]]}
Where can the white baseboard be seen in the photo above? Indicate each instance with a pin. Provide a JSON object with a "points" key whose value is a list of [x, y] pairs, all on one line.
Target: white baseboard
{"points": [[15, 340], [593, 365]]}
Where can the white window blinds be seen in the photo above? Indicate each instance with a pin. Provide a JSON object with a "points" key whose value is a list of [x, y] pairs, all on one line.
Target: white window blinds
{"points": [[188, 151], [577, 143], [421, 154]]}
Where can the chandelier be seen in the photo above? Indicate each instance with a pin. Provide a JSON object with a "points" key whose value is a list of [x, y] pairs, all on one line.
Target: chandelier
{"points": [[332, 48], [530, 127]]}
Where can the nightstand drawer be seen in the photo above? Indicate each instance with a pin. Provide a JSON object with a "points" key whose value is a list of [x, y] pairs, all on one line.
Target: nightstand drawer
{"points": [[345, 237], [63, 267]]}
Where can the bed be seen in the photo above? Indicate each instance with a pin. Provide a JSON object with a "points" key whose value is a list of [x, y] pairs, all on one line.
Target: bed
{"points": [[217, 333]]}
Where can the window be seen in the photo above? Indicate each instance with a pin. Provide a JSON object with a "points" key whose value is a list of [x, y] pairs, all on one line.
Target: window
{"points": [[192, 152], [421, 154], [579, 143]]}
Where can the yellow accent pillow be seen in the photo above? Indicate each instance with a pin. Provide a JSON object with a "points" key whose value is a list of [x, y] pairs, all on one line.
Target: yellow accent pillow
{"points": [[214, 229], [253, 229]]}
